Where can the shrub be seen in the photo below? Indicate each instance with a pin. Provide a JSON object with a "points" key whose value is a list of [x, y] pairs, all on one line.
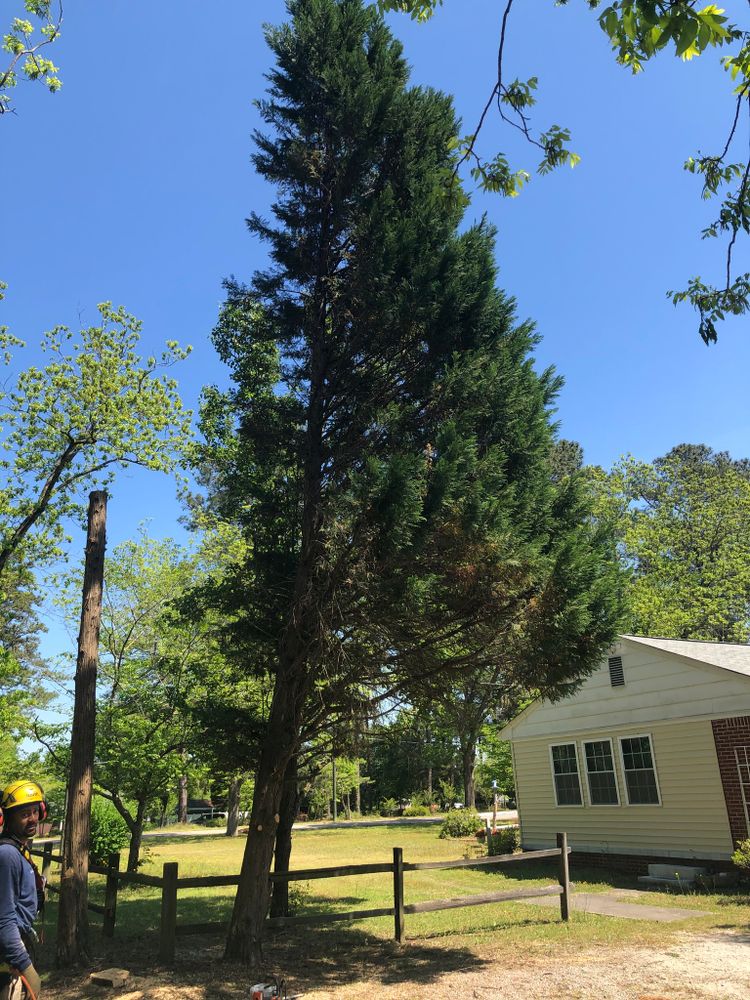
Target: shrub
{"points": [[741, 856], [109, 831], [506, 840], [417, 810], [216, 822], [460, 823], [389, 807]]}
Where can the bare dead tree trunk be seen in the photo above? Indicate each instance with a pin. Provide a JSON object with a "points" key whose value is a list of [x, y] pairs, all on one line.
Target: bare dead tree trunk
{"points": [[182, 799], [287, 815], [72, 923], [233, 805]]}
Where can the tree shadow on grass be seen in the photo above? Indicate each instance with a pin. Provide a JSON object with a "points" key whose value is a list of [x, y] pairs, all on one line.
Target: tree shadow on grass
{"points": [[308, 957]]}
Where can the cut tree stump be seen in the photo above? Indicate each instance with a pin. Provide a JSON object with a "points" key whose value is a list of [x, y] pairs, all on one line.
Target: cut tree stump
{"points": [[110, 977]]}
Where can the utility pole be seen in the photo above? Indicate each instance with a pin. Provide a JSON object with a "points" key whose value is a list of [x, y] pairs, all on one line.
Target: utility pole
{"points": [[73, 923]]}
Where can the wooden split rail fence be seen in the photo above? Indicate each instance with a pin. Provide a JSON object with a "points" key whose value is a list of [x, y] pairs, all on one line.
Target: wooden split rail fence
{"points": [[170, 884]]}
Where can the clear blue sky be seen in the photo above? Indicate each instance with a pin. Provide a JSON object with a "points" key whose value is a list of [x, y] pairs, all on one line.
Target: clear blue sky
{"points": [[133, 183]]}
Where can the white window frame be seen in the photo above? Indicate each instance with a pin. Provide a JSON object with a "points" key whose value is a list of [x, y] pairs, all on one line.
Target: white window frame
{"points": [[639, 736], [744, 785], [602, 739], [566, 805]]}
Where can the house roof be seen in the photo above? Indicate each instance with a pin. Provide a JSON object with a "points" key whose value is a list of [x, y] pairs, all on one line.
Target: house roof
{"points": [[732, 656]]}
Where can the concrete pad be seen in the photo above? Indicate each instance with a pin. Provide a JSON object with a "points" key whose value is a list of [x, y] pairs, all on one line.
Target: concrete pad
{"points": [[610, 905]]}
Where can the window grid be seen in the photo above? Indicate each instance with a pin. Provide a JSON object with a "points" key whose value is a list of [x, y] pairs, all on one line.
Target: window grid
{"points": [[639, 771], [565, 774], [600, 771], [742, 756]]}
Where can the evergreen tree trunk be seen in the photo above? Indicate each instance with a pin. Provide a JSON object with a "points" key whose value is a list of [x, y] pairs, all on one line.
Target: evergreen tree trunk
{"points": [[136, 837], [358, 792], [72, 924], [182, 799], [429, 783], [245, 936], [233, 805], [287, 815]]}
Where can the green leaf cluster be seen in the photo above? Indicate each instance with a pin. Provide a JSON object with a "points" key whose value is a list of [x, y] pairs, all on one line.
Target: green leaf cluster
{"points": [[68, 425], [24, 42]]}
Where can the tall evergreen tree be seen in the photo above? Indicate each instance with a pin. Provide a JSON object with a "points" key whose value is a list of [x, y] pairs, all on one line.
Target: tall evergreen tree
{"points": [[387, 444]]}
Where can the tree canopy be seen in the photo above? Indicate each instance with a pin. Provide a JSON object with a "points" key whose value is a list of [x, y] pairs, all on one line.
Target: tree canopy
{"points": [[94, 407], [683, 523]]}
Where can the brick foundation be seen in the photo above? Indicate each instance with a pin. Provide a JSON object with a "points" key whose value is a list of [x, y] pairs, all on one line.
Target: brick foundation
{"points": [[637, 864], [728, 734]]}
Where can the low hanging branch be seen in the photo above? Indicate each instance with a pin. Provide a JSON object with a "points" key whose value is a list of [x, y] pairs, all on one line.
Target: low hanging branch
{"points": [[638, 30]]}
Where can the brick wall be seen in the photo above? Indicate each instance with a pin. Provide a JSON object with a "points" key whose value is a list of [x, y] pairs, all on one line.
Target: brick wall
{"points": [[728, 734], [637, 864]]}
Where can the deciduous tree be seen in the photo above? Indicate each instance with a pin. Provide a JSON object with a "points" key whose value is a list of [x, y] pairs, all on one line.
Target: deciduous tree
{"points": [[684, 523], [94, 407]]}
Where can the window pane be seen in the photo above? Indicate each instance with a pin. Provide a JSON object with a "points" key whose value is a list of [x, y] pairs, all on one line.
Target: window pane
{"points": [[568, 790], [565, 772], [640, 776], [564, 759], [601, 773]]}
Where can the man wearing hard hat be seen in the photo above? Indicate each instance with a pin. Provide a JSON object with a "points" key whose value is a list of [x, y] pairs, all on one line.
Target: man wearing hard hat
{"points": [[21, 889]]}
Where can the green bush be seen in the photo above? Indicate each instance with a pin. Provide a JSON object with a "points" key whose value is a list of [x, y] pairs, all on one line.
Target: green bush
{"points": [[389, 807], [417, 810], [109, 831], [216, 822], [741, 856], [507, 840], [460, 823]]}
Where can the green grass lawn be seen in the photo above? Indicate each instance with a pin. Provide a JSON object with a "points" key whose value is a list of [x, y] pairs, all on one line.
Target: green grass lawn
{"points": [[493, 930]]}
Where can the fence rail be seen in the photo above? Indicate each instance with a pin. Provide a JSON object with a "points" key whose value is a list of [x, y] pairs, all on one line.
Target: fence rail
{"points": [[170, 883]]}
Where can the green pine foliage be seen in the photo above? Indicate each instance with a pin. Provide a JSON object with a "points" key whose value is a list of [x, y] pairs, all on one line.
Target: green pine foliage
{"points": [[388, 438]]}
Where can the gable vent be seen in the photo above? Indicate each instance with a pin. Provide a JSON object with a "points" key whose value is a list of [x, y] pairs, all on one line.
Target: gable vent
{"points": [[616, 675]]}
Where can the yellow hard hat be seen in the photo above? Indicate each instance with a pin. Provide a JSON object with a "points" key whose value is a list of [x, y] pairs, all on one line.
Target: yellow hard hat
{"points": [[22, 793]]}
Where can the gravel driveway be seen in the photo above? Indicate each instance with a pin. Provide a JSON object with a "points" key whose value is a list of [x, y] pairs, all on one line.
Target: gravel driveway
{"points": [[712, 966]]}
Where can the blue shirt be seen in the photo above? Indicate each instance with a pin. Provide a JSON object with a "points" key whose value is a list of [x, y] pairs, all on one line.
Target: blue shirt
{"points": [[18, 904]]}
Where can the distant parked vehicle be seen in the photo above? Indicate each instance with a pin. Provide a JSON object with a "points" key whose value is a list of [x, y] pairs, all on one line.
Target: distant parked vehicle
{"points": [[204, 815]]}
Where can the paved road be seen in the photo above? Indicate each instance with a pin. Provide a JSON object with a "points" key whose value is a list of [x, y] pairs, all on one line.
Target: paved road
{"points": [[506, 817], [615, 904]]}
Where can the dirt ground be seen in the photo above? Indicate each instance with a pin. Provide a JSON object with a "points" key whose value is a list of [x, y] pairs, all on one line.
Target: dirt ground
{"points": [[710, 966]]}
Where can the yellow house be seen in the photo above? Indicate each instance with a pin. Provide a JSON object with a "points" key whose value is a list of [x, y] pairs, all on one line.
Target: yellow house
{"points": [[648, 762]]}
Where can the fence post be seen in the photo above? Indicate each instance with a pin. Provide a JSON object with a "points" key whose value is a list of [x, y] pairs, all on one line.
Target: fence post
{"points": [[398, 893], [110, 894], [564, 877], [46, 859], [168, 927]]}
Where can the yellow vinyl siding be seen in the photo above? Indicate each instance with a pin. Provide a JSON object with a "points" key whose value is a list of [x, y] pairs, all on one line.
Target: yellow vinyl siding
{"points": [[690, 821], [658, 686]]}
